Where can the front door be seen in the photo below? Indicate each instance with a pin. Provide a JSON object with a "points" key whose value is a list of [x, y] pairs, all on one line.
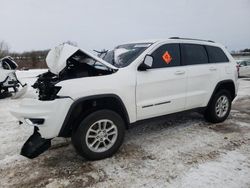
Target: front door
{"points": [[161, 89]]}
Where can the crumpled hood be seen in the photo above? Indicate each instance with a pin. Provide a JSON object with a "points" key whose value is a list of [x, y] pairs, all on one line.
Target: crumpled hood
{"points": [[57, 57]]}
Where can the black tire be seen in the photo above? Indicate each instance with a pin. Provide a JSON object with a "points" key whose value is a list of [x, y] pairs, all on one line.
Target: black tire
{"points": [[4, 93], [79, 135], [210, 112]]}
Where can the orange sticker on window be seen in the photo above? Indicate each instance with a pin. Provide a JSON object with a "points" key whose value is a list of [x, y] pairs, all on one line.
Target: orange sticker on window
{"points": [[167, 57]]}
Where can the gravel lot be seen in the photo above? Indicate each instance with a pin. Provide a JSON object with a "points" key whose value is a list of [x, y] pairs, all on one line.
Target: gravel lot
{"points": [[175, 151]]}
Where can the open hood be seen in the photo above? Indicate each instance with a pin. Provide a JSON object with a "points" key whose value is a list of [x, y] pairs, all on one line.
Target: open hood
{"points": [[58, 56]]}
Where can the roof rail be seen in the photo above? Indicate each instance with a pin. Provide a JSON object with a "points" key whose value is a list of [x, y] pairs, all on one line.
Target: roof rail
{"points": [[191, 39]]}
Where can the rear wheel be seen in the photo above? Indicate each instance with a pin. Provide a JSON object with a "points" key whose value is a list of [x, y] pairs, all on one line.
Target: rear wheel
{"points": [[99, 135], [219, 107]]}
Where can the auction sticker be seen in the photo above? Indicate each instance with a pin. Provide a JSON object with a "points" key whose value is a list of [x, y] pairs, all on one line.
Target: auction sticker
{"points": [[167, 57]]}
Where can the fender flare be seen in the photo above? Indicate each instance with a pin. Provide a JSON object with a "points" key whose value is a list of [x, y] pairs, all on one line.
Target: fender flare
{"points": [[65, 125], [220, 84]]}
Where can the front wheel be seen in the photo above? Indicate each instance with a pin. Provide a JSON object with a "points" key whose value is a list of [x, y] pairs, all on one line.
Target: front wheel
{"points": [[219, 107], [99, 135]]}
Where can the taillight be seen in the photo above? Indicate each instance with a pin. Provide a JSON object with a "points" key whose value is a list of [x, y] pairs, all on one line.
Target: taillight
{"points": [[238, 68]]}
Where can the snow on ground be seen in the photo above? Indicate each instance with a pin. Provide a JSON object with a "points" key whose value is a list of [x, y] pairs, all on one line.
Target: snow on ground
{"points": [[175, 151], [215, 173], [244, 87]]}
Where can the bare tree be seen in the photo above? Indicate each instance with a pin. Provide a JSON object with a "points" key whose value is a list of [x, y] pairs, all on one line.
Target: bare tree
{"points": [[4, 49]]}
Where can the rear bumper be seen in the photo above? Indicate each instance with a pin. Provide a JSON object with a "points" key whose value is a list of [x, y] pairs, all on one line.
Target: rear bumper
{"points": [[47, 116]]}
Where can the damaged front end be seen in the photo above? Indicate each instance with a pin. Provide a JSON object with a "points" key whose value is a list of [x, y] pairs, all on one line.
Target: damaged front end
{"points": [[35, 145], [45, 86], [47, 113], [68, 62]]}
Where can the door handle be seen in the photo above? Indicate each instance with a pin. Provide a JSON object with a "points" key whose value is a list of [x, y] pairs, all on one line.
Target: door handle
{"points": [[179, 72], [212, 68]]}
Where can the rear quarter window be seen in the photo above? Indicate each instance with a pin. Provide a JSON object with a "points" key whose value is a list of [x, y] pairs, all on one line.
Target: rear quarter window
{"points": [[216, 55]]}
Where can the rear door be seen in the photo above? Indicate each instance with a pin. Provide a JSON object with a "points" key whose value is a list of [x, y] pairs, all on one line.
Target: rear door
{"points": [[161, 89], [201, 75], [218, 58]]}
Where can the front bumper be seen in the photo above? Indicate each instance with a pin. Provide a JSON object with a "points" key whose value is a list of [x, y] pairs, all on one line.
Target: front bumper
{"points": [[52, 113], [35, 145], [46, 117]]}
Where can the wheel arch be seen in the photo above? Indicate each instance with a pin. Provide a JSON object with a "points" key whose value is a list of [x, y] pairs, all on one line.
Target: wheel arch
{"points": [[86, 105], [224, 84]]}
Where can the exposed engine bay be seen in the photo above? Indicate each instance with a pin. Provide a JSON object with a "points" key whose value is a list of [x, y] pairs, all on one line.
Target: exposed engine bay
{"points": [[78, 65]]}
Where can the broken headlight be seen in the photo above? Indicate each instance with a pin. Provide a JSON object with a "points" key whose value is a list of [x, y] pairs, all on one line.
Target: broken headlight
{"points": [[45, 86]]}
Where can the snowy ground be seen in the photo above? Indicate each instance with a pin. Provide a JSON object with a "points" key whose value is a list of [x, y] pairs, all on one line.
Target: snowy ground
{"points": [[176, 151]]}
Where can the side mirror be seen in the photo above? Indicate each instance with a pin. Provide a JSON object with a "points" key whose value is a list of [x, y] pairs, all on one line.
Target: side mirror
{"points": [[147, 63]]}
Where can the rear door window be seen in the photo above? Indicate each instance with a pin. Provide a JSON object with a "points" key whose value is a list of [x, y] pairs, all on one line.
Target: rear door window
{"points": [[216, 55], [168, 55], [193, 54]]}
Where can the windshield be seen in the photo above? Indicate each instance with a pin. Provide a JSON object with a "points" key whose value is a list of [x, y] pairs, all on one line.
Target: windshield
{"points": [[125, 54]]}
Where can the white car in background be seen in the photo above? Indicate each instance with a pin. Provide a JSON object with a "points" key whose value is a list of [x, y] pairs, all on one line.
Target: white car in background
{"points": [[244, 68], [93, 99], [9, 83]]}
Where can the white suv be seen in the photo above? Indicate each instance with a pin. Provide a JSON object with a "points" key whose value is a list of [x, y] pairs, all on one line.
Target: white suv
{"points": [[93, 99]]}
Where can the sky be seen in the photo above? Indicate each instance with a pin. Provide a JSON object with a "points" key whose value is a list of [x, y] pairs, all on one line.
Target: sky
{"points": [[97, 24]]}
